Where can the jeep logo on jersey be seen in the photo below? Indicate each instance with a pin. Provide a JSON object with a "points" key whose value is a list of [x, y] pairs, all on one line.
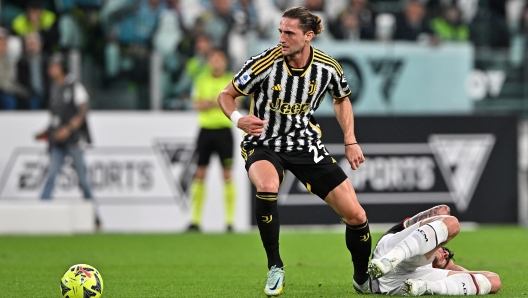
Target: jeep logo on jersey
{"points": [[288, 108], [446, 169]]}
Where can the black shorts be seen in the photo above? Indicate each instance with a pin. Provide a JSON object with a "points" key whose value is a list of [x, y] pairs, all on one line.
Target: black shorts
{"points": [[215, 140], [315, 168]]}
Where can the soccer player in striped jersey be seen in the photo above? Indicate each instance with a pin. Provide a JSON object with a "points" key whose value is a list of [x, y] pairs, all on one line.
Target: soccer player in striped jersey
{"points": [[287, 83]]}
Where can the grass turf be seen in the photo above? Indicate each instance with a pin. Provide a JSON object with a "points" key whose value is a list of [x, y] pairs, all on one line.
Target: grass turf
{"points": [[228, 265]]}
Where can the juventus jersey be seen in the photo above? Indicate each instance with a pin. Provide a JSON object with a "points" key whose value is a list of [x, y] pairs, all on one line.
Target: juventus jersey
{"points": [[288, 97]]}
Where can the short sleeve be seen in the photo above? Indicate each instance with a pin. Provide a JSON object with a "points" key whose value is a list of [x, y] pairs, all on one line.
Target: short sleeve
{"points": [[80, 94], [338, 86], [247, 80]]}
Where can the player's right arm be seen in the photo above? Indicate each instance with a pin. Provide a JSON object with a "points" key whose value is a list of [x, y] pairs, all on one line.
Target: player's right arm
{"points": [[249, 124], [454, 267]]}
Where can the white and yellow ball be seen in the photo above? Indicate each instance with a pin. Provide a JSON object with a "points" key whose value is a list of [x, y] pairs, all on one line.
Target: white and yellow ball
{"points": [[82, 281]]}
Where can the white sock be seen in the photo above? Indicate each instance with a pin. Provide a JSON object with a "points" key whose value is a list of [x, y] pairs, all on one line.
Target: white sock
{"points": [[461, 284], [421, 241]]}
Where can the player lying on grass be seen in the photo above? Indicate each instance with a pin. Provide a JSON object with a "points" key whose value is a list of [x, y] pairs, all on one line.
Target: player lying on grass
{"points": [[411, 259]]}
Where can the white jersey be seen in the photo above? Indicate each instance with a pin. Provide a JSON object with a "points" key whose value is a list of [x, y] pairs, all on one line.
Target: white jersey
{"points": [[416, 267]]}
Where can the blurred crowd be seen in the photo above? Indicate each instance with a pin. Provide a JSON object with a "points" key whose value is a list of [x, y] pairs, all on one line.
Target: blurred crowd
{"points": [[118, 36]]}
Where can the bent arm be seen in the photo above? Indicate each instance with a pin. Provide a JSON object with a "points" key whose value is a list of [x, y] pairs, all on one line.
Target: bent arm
{"points": [[226, 100], [79, 118], [454, 267], [249, 124]]}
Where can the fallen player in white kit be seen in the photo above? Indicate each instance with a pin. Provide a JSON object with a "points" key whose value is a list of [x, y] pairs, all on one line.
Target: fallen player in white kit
{"points": [[411, 260]]}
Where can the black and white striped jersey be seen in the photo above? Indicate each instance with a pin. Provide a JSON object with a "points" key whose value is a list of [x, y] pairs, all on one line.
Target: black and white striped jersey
{"points": [[288, 97]]}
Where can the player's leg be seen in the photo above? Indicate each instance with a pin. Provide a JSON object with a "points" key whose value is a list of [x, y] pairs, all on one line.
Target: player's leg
{"points": [[265, 172], [229, 197], [424, 240], [57, 155], [344, 201], [204, 150], [80, 166], [265, 178], [224, 148], [434, 211], [197, 197], [456, 283]]}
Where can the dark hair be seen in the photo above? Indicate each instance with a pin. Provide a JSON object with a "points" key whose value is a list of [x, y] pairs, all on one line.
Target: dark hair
{"points": [[308, 21], [451, 255], [59, 59], [35, 4]]}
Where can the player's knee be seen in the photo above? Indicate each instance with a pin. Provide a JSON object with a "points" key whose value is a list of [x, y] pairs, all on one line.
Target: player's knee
{"points": [[443, 210], [355, 216], [453, 226], [267, 186], [495, 281]]}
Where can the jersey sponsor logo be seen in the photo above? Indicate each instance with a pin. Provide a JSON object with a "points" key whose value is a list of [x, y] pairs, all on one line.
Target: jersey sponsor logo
{"points": [[288, 108], [276, 88], [446, 169], [313, 87]]}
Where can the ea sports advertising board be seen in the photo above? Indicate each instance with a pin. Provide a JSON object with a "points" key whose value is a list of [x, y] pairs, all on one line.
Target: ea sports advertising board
{"points": [[413, 163]]}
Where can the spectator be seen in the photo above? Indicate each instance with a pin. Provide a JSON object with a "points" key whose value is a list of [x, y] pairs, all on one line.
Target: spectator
{"points": [[9, 87], [449, 26], [365, 15], [412, 24], [133, 47], [69, 103], [215, 136], [32, 73], [38, 19], [197, 64], [247, 23], [246, 16], [218, 22], [348, 27]]}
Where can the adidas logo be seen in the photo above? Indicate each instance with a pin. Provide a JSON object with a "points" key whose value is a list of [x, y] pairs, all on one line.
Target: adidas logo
{"points": [[276, 88]]}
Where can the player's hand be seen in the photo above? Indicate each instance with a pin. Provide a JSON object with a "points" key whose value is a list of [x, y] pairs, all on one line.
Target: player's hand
{"points": [[252, 125], [354, 156], [62, 134]]}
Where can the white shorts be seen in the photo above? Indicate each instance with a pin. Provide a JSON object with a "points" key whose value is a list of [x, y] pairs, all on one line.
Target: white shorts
{"points": [[416, 267]]}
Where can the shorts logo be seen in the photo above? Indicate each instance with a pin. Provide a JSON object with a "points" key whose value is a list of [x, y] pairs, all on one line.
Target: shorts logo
{"points": [[313, 87], [245, 154], [288, 108]]}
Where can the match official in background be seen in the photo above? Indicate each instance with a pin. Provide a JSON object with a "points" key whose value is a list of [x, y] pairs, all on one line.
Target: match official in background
{"points": [[288, 82], [215, 137], [68, 105]]}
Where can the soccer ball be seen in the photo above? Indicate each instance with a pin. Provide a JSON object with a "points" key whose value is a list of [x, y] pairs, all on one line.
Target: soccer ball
{"points": [[82, 281]]}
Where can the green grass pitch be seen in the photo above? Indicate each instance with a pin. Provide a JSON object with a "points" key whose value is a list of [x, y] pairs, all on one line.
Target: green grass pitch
{"points": [[229, 265]]}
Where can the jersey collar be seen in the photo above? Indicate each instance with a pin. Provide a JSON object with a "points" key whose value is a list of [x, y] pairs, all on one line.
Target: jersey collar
{"points": [[300, 71]]}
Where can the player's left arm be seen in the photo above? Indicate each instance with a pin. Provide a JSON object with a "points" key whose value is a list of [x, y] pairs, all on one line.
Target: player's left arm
{"points": [[345, 117]]}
